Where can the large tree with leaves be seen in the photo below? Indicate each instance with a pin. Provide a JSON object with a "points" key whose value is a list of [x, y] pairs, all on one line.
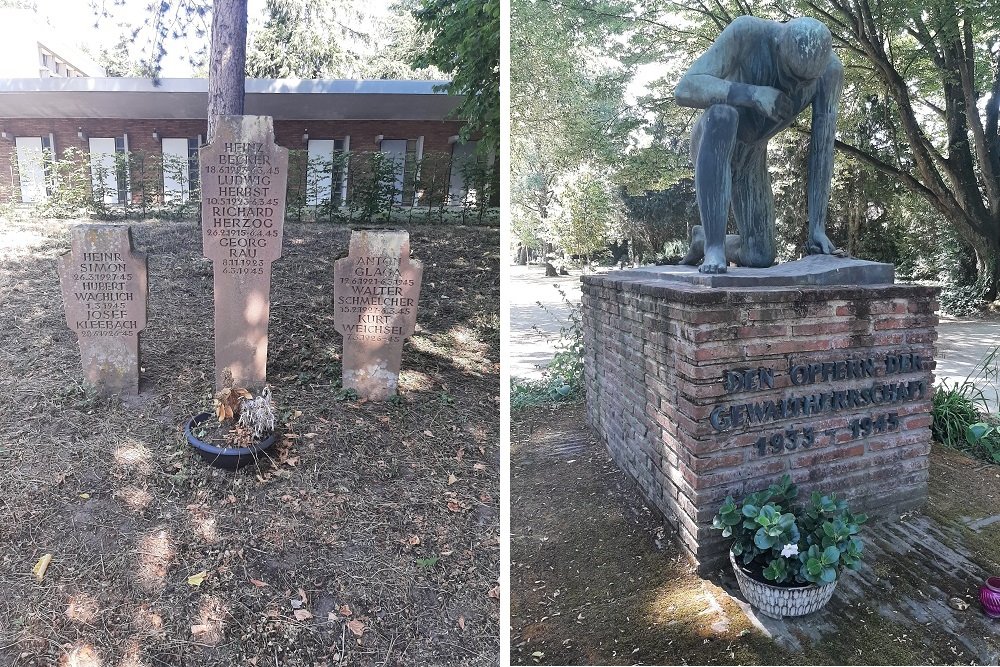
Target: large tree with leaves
{"points": [[465, 45], [937, 64]]}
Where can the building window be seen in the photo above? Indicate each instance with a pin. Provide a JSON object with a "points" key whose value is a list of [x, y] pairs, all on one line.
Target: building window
{"points": [[325, 173]]}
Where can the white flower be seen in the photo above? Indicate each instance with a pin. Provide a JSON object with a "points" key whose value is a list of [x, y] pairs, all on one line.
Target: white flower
{"points": [[790, 550]]}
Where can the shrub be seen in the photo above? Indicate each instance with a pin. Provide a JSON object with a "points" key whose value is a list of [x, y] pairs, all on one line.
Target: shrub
{"points": [[792, 545], [562, 378], [957, 411]]}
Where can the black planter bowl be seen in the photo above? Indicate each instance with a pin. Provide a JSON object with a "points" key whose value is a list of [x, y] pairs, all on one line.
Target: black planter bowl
{"points": [[230, 458]]}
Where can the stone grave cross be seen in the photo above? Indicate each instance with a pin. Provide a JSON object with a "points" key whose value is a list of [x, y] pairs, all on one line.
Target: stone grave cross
{"points": [[243, 177], [104, 292], [375, 294]]}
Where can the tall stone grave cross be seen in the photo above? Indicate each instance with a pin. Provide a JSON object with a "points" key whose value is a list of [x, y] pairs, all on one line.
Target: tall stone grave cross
{"points": [[243, 177], [104, 291], [375, 294]]}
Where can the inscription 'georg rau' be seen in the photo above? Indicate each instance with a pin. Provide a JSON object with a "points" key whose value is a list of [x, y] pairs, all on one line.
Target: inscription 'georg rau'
{"points": [[242, 215]]}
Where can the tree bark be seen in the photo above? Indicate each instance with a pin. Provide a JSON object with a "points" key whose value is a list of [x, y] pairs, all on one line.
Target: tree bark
{"points": [[227, 66]]}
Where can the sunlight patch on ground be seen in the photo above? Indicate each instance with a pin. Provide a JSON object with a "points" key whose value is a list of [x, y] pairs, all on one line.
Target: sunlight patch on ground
{"points": [[410, 380], [133, 656], [19, 243], [685, 601], [204, 526], [210, 624], [82, 608], [135, 497], [135, 456], [81, 655], [155, 554], [147, 621]]}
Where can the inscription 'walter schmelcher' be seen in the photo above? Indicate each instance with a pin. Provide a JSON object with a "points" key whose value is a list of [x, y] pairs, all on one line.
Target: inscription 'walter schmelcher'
{"points": [[725, 417]]}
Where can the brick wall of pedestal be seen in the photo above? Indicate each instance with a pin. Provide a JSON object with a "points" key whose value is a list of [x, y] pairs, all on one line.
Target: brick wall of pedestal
{"points": [[655, 357]]}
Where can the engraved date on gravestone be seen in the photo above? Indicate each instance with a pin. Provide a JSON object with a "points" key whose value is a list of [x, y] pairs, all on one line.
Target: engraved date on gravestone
{"points": [[376, 288], [104, 291], [244, 174]]}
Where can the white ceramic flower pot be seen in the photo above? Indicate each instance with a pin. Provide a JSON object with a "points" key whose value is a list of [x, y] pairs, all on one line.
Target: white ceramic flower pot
{"points": [[781, 601]]}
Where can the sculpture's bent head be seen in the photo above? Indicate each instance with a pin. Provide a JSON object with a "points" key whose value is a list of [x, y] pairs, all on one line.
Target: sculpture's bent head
{"points": [[805, 47]]}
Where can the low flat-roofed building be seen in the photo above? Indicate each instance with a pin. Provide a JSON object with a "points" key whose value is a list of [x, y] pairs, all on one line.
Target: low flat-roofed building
{"points": [[104, 116]]}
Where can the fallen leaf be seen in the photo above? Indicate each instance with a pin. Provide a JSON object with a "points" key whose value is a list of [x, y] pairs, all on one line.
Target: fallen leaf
{"points": [[302, 615], [41, 566], [303, 596], [428, 434], [292, 461], [413, 540], [461, 622], [479, 466], [452, 479], [345, 610], [495, 592], [454, 506], [197, 579], [200, 629], [460, 454], [85, 496], [356, 627], [258, 583]]}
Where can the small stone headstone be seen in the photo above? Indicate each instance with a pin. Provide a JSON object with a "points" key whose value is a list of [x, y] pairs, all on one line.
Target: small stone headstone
{"points": [[243, 177], [375, 294], [104, 291]]}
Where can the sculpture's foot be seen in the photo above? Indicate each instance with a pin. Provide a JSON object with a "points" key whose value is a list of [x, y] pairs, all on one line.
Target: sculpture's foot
{"points": [[715, 261], [820, 244], [697, 248]]}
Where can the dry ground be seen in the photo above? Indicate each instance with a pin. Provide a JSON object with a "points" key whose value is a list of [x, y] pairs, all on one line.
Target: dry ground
{"points": [[373, 542], [595, 579]]}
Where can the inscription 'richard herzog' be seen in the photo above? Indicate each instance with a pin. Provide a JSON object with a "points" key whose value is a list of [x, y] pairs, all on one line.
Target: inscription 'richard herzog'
{"points": [[725, 417]]}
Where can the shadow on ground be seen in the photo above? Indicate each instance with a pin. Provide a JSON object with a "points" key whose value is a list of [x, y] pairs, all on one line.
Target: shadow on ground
{"points": [[595, 579], [372, 540]]}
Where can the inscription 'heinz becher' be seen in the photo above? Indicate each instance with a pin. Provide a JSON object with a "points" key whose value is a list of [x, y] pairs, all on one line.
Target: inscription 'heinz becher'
{"points": [[243, 210]]}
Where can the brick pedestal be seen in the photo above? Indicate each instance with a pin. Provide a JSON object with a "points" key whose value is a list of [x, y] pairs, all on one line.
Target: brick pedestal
{"points": [[699, 392]]}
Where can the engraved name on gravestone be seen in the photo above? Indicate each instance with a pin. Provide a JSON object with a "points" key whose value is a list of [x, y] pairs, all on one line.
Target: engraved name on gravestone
{"points": [[104, 290], [375, 294], [243, 177]]}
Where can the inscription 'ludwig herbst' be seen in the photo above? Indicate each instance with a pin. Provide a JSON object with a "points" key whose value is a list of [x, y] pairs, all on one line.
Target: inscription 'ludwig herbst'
{"points": [[104, 290], [375, 294], [243, 177]]}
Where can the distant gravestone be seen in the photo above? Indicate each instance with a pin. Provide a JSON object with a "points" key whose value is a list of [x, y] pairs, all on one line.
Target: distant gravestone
{"points": [[104, 291], [375, 307], [243, 177]]}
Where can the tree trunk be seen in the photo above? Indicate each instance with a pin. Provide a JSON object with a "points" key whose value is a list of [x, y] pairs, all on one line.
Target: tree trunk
{"points": [[227, 65]]}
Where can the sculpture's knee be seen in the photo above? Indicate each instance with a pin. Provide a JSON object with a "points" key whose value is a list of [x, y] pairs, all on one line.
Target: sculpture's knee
{"points": [[721, 118]]}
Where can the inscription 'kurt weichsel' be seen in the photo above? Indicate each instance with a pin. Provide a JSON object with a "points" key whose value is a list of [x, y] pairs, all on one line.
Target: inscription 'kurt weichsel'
{"points": [[725, 417]]}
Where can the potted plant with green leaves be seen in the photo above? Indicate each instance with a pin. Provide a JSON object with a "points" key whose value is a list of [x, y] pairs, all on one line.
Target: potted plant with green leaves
{"points": [[787, 558], [242, 432]]}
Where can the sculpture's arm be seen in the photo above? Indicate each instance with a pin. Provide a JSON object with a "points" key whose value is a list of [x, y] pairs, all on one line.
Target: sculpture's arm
{"points": [[706, 81], [821, 146]]}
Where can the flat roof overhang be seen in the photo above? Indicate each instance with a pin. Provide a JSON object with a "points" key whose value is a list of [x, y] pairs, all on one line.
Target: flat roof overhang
{"points": [[284, 99]]}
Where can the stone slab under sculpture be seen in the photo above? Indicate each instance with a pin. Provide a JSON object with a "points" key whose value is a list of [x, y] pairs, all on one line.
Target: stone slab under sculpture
{"points": [[754, 80], [243, 177], [104, 292], [376, 288]]}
